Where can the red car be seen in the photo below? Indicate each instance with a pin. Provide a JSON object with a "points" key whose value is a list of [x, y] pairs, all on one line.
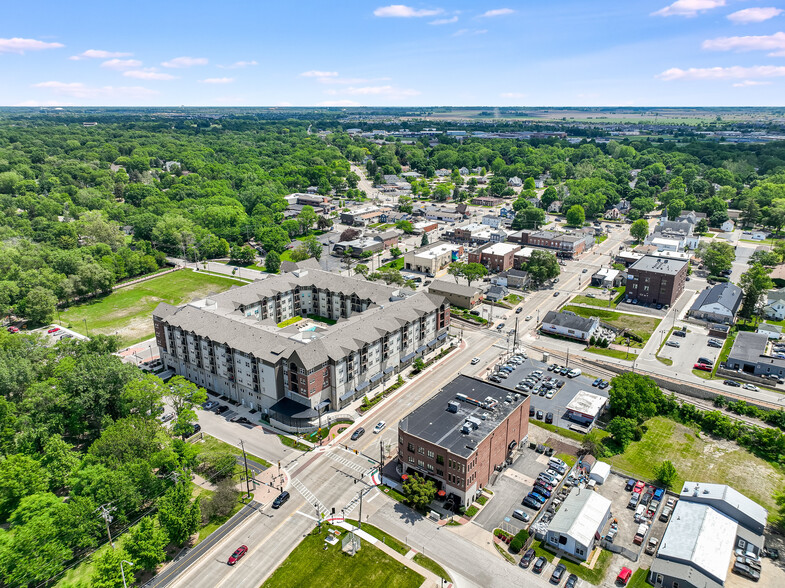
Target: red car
{"points": [[624, 576], [238, 553], [13, 329], [639, 485], [702, 366], [54, 330]]}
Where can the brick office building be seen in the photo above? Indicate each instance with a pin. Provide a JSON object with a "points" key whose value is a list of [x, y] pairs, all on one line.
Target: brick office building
{"points": [[459, 436], [497, 257], [656, 280]]}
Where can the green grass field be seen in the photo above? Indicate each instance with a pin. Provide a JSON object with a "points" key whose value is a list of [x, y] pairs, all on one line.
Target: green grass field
{"points": [[128, 311], [698, 457], [612, 353], [369, 568], [643, 326]]}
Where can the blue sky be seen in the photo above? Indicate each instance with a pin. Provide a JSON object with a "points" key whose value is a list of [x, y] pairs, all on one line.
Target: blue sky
{"points": [[353, 52]]}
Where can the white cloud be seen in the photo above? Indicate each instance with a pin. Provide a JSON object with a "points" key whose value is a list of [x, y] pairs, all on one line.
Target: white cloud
{"points": [[99, 54], [403, 11], [19, 45], [497, 12], [343, 81], [774, 43], [689, 7], [42, 103], [469, 32], [217, 81], [444, 21], [388, 90], [723, 73], [284, 104], [749, 15], [149, 73], [181, 62], [319, 74], [239, 65], [339, 103], [79, 90], [747, 83], [512, 95], [121, 63]]}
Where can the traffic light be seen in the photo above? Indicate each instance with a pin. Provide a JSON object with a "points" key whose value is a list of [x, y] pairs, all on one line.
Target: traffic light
{"points": [[355, 452]]}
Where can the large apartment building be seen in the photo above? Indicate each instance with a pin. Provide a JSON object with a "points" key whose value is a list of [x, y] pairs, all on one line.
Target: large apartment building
{"points": [[656, 280], [243, 343]]}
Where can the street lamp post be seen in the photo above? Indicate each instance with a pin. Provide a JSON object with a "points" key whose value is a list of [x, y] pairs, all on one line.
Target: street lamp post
{"points": [[122, 571]]}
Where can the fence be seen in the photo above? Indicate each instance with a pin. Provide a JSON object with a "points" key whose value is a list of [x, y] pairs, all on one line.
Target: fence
{"points": [[612, 547]]}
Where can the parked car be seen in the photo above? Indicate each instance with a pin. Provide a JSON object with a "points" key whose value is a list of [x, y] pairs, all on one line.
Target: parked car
{"points": [[53, 330], [531, 503], [633, 503], [630, 485], [752, 387], [715, 344], [672, 343], [359, 432], [521, 515], [539, 565], [539, 415], [13, 329], [596, 382], [222, 409], [703, 367], [281, 499], [624, 576], [651, 546], [571, 581], [238, 553], [731, 383], [527, 558], [537, 496], [679, 333], [746, 571], [549, 416], [209, 404], [495, 379], [379, 427], [531, 411], [558, 574], [665, 514], [705, 360], [639, 485]]}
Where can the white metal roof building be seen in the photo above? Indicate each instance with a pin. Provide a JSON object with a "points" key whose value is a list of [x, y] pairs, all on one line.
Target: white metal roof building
{"points": [[585, 407], [600, 472], [579, 523]]}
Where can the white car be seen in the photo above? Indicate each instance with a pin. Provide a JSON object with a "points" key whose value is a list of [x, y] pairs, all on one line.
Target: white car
{"points": [[752, 387], [549, 394], [528, 317], [475, 360], [379, 427]]}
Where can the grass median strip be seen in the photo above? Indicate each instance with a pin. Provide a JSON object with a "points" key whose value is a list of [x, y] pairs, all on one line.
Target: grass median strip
{"points": [[593, 575]]}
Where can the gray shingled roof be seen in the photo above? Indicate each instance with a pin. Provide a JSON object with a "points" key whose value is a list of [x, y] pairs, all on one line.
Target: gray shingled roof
{"points": [[452, 288], [727, 295], [568, 320]]}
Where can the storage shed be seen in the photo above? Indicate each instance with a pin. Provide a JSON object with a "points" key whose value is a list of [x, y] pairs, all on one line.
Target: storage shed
{"points": [[600, 472]]}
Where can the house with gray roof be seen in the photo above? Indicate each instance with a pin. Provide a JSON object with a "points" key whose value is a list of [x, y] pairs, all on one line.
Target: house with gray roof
{"points": [[569, 324], [717, 304], [300, 344], [775, 304]]}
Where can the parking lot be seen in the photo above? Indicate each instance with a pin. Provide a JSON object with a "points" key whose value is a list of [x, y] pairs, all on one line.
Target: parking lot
{"points": [[691, 347], [562, 396]]}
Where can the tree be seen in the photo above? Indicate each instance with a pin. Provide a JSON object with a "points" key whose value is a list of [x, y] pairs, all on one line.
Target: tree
{"points": [[635, 397], [323, 223], [474, 271], [702, 226], [107, 572], [183, 396], [754, 282], [549, 196], [623, 431], [418, 492], [222, 501], [639, 229], [576, 216], [362, 270], [146, 544], [395, 252], [178, 516], [456, 269], [418, 364], [312, 247], [244, 255], [424, 240], [674, 208], [272, 263], [717, 256], [528, 184], [59, 460], [666, 473], [529, 218], [349, 234], [405, 226], [542, 266], [20, 476], [307, 218], [39, 305], [273, 239], [750, 213], [592, 443]]}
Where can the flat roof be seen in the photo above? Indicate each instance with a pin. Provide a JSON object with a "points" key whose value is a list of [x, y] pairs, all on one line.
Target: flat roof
{"points": [[659, 265], [587, 403], [432, 422], [581, 516], [700, 535], [501, 248]]}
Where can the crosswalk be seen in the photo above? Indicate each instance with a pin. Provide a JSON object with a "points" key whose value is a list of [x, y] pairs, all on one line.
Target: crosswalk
{"points": [[354, 502], [364, 470], [309, 496]]}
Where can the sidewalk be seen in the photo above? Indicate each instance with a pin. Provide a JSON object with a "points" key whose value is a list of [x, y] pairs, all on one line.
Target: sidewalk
{"points": [[271, 482]]}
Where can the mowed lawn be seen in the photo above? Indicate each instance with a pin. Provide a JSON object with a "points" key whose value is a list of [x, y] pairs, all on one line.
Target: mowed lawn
{"points": [[700, 458], [369, 568], [643, 326], [127, 311]]}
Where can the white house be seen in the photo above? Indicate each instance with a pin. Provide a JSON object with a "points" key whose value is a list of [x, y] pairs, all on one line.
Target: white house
{"points": [[569, 324], [577, 525], [775, 305], [515, 182], [727, 226], [718, 304]]}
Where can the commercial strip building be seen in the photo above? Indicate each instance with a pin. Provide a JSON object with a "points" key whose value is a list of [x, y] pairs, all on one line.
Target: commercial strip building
{"points": [[432, 258], [457, 294], [749, 354], [569, 324], [238, 343], [709, 524], [497, 257], [458, 437], [585, 407], [656, 280], [567, 245], [578, 524]]}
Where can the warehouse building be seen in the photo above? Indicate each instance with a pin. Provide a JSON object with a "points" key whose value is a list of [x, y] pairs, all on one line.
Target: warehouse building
{"points": [[578, 524], [462, 434]]}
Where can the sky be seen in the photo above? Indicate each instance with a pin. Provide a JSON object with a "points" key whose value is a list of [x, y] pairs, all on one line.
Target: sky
{"points": [[372, 53]]}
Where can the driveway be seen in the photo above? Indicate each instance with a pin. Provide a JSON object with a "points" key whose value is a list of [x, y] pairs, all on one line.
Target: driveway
{"points": [[691, 347]]}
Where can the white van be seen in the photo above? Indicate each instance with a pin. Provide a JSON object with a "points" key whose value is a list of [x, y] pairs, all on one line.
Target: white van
{"points": [[574, 373]]}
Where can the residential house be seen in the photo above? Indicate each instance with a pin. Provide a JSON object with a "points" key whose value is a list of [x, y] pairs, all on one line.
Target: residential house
{"points": [[728, 226], [613, 214], [515, 182], [492, 221], [607, 277], [775, 305], [673, 235], [569, 324], [512, 278], [773, 332], [717, 304], [496, 293], [464, 171], [555, 207]]}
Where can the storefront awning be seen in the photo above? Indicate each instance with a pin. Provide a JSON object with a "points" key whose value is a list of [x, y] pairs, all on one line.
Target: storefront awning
{"points": [[349, 394], [407, 357], [441, 337], [421, 349], [362, 386], [433, 343], [376, 377], [389, 369]]}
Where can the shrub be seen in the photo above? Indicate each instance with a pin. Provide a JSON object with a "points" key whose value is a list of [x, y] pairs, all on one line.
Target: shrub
{"points": [[519, 540]]}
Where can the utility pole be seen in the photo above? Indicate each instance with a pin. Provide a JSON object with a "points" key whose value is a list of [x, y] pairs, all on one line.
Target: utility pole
{"points": [[381, 456], [106, 514], [568, 357], [245, 460], [360, 520], [318, 515]]}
